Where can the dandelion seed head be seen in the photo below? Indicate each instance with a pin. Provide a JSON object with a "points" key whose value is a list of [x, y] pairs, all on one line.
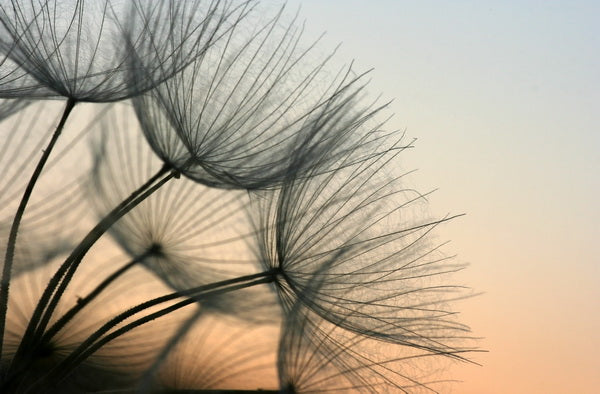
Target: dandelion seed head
{"points": [[352, 249], [257, 97], [290, 177], [88, 50], [187, 234]]}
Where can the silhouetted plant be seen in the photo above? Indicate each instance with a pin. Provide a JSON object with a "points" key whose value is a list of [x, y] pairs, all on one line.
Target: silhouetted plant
{"points": [[188, 234], [117, 365], [293, 211], [82, 50], [361, 233], [316, 355], [79, 50], [58, 198], [233, 118]]}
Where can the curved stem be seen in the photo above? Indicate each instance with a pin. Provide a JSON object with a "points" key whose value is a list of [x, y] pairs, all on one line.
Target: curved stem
{"points": [[190, 294], [12, 238], [63, 275], [82, 302], [79, 252], [96, 341]]}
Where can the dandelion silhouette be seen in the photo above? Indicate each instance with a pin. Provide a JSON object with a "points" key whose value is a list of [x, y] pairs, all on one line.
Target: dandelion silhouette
{"points": [[79, 50], [257, 97], [291, 255], [82, 50], [189, 234], [316, 355], [361, 234], [116, 365]]}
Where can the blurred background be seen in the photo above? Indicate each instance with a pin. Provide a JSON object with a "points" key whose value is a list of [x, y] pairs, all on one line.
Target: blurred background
{"points": [[502, 98]]}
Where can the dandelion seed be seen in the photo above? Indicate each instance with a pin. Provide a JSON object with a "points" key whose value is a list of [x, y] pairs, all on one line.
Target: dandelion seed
{"points": [[362, 235], [233, 98], [190, 234], [81, 49], [237, 114]]}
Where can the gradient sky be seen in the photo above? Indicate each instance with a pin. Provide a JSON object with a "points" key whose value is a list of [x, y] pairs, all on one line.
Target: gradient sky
{"points": [[501, 96]]}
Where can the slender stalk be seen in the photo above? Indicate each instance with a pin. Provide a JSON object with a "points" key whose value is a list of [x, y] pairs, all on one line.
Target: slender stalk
{"points": [[63, 275], [82, 302], [96, 341], [79, 252], [191, 295], [12, 238]]}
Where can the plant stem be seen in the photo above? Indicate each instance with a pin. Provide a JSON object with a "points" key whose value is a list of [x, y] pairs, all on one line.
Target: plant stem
{"points": [[87, 243], [12, 238], [191, 295], [96, 341], [79, 252], [82, 302], [63, 275]]}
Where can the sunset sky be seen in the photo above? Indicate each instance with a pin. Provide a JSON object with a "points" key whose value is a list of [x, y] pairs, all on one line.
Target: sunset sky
{"points": [[502, 100], [502, 97]]}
